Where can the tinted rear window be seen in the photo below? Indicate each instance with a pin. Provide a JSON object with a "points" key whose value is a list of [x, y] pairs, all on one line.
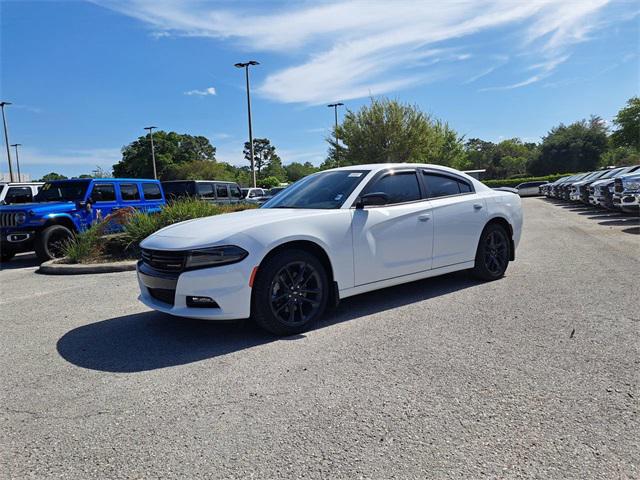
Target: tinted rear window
{"points": [[129, 192], [151, 191]]}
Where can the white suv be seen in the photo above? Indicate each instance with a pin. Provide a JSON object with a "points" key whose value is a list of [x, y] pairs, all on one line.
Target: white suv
{"points": [[11, 193]]}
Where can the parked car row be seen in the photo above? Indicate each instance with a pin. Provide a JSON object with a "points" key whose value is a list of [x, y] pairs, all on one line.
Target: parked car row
{"points": [[613, 188], [43, 216]]}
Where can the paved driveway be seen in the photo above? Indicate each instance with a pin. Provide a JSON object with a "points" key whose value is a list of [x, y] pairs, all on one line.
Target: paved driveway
{"points": [[533, 376]]}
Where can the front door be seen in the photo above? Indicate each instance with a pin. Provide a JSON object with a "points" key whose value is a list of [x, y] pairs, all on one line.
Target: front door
{"points": [[395, 239], [103, 199]]}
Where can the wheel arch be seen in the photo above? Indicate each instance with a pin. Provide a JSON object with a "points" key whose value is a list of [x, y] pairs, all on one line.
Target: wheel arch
{"points": [[504, 223], [314, 249], [63, 220]]}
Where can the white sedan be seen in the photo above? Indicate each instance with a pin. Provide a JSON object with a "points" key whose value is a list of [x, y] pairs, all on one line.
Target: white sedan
{"points": [[331, 235]]}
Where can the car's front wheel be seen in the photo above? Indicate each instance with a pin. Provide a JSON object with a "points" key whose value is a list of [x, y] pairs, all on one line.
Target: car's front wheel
{"points": [[493, 254], [291, 291], [51, 241]]}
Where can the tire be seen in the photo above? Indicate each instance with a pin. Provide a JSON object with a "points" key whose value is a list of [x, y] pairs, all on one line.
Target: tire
{"points": [[290, 292], [50, 241], [5, 256], [493, 254]]}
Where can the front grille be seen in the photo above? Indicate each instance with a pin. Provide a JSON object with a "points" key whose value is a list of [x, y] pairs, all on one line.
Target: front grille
{"points": [[619, 188], [163, 260], [8, 220], [163, 295]]}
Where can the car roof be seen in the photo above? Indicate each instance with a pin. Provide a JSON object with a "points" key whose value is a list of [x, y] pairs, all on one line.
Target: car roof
{"points": [[198, 181], [105, 180]]}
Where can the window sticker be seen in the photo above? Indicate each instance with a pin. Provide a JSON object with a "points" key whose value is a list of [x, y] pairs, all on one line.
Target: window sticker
{"points": [[355, 174]]}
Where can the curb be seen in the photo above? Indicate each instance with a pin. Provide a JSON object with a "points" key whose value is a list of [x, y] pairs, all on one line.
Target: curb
{"points": [[54, 267]]}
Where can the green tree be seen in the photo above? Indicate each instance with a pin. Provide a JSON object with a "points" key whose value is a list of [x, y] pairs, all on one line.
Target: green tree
{"points": [[275, 169], [627, 121], [620, 156], [269, 182], [295, 170], [199, 170], [171, 149], [571, 148], [52, 176], [390, 131], [264, 154]]}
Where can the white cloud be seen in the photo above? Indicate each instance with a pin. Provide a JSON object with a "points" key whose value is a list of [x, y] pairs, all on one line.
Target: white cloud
{"points": [[355, 48], [202, 93]]}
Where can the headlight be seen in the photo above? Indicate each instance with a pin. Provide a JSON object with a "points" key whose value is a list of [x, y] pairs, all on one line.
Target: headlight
{"points": [[632, 186], [21, 217], [215, 256]]}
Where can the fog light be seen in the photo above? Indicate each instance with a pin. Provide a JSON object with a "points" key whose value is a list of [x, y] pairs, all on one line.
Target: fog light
{"points": [[201, 302]]}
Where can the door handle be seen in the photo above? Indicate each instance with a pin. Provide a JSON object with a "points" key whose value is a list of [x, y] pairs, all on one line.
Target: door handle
{"points": [[424, 217], [477, 206]]}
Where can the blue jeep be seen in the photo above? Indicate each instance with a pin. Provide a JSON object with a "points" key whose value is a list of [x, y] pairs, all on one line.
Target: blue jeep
{"points": [[64, 207]]}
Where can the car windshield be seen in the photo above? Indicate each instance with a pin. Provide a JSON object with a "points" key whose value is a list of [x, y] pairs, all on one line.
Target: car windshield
{"points": [[324, 190], [62, 191]]}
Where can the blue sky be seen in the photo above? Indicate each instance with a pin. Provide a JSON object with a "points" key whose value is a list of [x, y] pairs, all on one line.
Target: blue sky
{"points": [[86, 77]]}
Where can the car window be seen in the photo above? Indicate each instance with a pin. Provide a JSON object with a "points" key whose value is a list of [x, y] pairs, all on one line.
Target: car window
{"points": [[221, 191], [235, 191], [400, 187], [19, 195], [129, 192], [443, 186], [205, 190], [151, 191], [104, 192]]}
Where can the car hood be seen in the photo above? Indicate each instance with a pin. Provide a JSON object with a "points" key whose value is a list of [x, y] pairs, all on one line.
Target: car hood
{"points": [[43, 208], [206, 231], [599, 183]]}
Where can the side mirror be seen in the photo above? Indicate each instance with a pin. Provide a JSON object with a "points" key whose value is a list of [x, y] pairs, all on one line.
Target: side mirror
{"points": [[373, 198]]}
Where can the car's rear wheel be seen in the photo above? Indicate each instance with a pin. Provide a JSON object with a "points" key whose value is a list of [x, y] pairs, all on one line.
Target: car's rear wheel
{"points": [[51, 242], [492, 256], [291, 291]]}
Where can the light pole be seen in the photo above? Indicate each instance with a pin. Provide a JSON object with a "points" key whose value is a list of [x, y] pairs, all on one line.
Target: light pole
{"points": [[335, 111], [153, 152], [16, 145], [6, 139], [246, 66]]}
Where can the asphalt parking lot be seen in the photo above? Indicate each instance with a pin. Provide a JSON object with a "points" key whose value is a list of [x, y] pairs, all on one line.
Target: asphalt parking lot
{"points": [[533, 376]]}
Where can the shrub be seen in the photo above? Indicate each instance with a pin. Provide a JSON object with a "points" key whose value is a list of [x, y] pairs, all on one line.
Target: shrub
{"points": [[95, 243], [140, 225]]}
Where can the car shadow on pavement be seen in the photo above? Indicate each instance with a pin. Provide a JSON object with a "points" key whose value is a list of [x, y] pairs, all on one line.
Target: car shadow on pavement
{"points": [[20, 261], [622, 222], [632, 230], [152, 340]]}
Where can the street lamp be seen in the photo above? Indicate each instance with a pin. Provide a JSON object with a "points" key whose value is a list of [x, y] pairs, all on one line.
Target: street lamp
{"points": [[335, 111], [153, 152], [16, 145], [246, 66], [6, 139]]}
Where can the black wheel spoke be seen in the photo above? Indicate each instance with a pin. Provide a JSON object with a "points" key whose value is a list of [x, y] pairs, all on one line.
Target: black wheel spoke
{"points": [[296, 293]]}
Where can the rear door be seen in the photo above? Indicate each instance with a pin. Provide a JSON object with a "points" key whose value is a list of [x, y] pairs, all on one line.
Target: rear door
{"points": [[235, 194], [103, 197], [152, 195], [222, 193], [458, 217]]}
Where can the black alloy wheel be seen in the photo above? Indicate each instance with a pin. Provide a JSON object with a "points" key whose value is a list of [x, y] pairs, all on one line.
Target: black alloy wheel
{"points": [[290, 292], [493, 253]]}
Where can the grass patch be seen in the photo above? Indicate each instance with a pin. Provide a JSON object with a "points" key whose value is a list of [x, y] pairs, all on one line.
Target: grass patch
{"points": [[94, 245]]}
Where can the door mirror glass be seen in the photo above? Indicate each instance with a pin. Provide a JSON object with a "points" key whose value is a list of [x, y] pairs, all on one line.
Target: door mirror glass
{"points": [[373, 198]]}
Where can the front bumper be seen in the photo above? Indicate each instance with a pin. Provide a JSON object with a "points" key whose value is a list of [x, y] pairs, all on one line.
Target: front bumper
{"points": [[227, 285], [629, 202]]}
